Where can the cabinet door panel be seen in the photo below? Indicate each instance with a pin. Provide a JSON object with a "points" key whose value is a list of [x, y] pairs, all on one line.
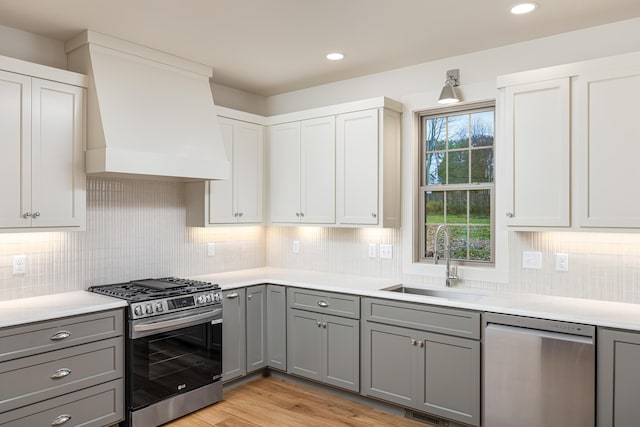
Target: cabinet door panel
{"points": [[304, 344], [357, 167], [342, 352], [256, 327], [221, 207], [450, 367], [15, 143], [57, 155], [277, 327], [233, 334], [537, 135], [247, 172], [390, 362], [317, 157], [284, 158], [608, 147]]}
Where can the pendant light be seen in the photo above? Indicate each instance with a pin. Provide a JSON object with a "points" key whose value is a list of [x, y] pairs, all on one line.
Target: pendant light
{"points": [[448, 95]]}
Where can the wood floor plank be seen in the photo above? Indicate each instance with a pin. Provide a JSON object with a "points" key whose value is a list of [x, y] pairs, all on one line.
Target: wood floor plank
{"points": [[274, 401]]}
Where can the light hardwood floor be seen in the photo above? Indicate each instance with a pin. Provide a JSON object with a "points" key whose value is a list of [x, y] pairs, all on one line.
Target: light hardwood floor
{"points": [[276, 402]]}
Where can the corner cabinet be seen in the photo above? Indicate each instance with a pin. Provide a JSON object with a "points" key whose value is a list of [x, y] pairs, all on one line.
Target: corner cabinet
{"points": [[234, 339], [302, 160], [237, 200], [368, 168], [42, 123], [256, 327], [537, 142], [618, 378]]}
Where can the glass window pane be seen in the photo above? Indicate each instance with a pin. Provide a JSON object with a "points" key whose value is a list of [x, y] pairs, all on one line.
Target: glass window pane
{"points": [[434, 207], [456, 207], [458, 167], [458, 235], [458, 131], [482, 129], [430, 232], [480, 243], [435, 134], [436, 168], [482, 165], [480, 207]]}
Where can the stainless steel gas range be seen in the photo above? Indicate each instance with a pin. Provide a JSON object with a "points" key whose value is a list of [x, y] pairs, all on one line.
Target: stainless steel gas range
{"points": [[173, 347]]}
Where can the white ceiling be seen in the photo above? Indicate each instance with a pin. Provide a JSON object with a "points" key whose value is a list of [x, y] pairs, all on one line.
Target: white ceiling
{"points": [[268, 47]]}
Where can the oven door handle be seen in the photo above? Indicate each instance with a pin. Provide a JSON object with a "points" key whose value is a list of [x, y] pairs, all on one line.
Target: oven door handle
{"points": [[168, 325]]}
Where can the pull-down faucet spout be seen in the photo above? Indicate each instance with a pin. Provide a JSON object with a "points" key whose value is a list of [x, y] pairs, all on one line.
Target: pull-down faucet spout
{"points": [[451, 273]]}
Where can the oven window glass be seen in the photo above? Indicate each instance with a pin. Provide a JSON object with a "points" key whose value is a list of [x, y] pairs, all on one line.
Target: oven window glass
{"points": [[175, 362]]}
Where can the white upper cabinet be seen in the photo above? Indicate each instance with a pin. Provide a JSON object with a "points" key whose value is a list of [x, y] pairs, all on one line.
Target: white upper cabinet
{"points": [[302, 171], [537, 146], [609, 144], [368, 168], [42, 123], [237, 200]]}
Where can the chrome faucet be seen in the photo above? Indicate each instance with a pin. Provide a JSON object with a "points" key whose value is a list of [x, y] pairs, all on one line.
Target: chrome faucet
{"points": [[452, 272]]}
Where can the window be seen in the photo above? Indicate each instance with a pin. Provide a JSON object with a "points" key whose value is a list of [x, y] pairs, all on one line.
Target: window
{"points": [[457, 181]]}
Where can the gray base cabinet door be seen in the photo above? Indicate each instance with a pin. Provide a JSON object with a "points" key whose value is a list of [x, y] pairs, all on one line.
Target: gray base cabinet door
{"points": [[618, 378], [324, 348], [233, 334], [277, 327], [256, 327]]}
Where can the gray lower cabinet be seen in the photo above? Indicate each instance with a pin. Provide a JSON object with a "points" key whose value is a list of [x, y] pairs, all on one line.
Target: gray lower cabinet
{"points": [[430, 372], [233, 334], [618, 378], [277, 327], [324, 348], [67, 370], [256, 327]]}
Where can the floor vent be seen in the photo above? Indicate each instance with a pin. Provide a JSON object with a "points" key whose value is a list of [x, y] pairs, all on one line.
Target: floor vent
{"points": [[426, 418]]}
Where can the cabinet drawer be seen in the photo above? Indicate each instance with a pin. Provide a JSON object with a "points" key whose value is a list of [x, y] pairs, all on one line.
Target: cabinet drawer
{"points": [[424, 317], [324, 302], [26, 340], [97, 406], [44, 376]]}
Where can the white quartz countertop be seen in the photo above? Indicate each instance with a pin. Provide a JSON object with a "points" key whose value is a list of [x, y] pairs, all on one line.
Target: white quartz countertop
{"points": [[592, 312], [47, 307]]}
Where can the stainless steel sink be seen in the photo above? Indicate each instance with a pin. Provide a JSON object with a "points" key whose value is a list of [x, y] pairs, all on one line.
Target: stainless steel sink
{"points": [[435, 293]]}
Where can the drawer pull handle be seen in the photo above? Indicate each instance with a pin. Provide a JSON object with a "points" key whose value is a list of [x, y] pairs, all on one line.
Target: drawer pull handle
{"points": [[232, 295], [60, 373], [61, 419], [323, 304], [60, 335]]}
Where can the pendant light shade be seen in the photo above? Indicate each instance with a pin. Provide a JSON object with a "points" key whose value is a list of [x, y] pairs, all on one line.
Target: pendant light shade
{"points": [[448, 95]]}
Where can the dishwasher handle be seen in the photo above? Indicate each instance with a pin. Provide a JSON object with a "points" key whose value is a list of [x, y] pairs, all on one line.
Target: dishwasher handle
{"points": [[539, 333]]}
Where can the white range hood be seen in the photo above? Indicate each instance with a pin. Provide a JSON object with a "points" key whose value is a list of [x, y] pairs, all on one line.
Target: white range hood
{"points": [[148, 113]]}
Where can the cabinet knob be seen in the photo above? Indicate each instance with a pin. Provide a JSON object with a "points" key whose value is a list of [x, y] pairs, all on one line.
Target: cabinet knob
{"points": [[249, 296], [27, 214], [413, 342], [36, 214], [235, 214], [240, 214], [60, 335], [232, 295], [60, 420], [323, 304], [301, 214], [60, 373], [373, 214], [420, 344], [509, 214], [318, 324], [324, 325], [298, 214]]}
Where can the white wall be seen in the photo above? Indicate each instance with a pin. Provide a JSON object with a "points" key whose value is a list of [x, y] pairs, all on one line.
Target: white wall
{"points": [[32, 47]]}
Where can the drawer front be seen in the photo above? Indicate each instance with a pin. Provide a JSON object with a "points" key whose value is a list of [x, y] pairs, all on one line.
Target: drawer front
{"points": [[97, 406], [449, 321], [26, 340], [45, 376], [324, 302]]}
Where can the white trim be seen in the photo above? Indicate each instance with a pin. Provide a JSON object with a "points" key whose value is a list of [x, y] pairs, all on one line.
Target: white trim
{"points": [[45, 72]]}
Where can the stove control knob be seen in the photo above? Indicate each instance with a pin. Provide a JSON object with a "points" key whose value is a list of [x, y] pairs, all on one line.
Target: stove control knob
{"points": [[148, 309], [209, 297], [137, 310], [159, 308], [201, 299], [217, 297]]}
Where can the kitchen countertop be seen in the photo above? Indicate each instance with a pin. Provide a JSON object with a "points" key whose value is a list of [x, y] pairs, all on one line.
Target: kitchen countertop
{"points": [[592, 312], [47, 307]]}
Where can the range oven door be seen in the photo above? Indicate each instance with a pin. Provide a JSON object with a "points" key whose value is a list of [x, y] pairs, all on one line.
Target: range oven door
{"points": [[173, 355]]}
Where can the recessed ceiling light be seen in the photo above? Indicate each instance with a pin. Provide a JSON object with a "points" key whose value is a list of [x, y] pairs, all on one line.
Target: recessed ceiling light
{"points": [[336, 56], [523, 8]]}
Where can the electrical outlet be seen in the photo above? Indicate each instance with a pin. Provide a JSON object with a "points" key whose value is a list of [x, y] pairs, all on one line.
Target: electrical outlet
{"points": [[19, 264], [386, 251], [373, 250], [562, 262], [211, 249], [296, 246], [532, 260]]}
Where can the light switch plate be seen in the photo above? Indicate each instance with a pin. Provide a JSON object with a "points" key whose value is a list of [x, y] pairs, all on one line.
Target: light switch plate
{"points": [[532, 260], [373, 250], [211, 249], [562, 262], [386, 251], [19, 264], [296, 246]]}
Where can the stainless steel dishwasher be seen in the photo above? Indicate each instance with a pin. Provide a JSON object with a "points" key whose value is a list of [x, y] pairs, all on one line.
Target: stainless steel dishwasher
{"points": [[538, 373]]}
